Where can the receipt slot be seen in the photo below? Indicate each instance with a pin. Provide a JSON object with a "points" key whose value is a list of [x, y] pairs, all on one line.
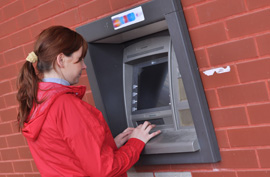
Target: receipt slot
{"points": [[141, 67]]}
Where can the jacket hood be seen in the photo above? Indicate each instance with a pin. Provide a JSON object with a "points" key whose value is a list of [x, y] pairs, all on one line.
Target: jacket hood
{"points": [[47, 93]]}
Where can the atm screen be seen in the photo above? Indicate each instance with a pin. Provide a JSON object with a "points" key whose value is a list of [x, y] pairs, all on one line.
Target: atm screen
{"points": [[153, 86]]}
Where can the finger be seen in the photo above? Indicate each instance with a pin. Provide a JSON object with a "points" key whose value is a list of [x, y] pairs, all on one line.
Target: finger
{"points": [[125, 138], [124, 134], [149, 128], [131, 129], [155, 134], [128, 132], [145, 125], [128, 129], [139, 126]]}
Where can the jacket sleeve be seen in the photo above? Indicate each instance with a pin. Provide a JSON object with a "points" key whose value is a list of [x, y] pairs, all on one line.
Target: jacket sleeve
{"points": [[84, 129]]}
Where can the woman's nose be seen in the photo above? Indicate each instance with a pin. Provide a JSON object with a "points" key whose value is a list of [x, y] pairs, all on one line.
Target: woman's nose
{"points": [[83, 65]]}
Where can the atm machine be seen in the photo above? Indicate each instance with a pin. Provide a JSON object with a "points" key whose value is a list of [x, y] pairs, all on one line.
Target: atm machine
{"points": [[141, 67], [154, 92]]}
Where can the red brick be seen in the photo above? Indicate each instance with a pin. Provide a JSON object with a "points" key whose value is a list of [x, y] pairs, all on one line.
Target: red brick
{"points": [[22, 166], [32, 175], [119, 4], [254, 70], [257, 4], [8, 27], [69, 4], [2, 60], [186, 3], [208, 35], [27, 19], [5, 44], [259, 114], [15, 175], [243, 94], [84, 98], [35, 169], [94, 9], [10, 154], [2, 103], [222, 139], [232, 51], [84, 73], [84, 81], [13, 9], [15, 140], [20, 64], [90, 99], [13, 83], [15, 127], [218, 80], [263, 44], [82, 2], [201, 58], [211, 98], [28, 48], [14, 55], [8, 114], [213, 174], [6, 74], [1, 15], [68, 18], [11, 100], [5, 129], [215, 10], [235, 159], [25, 153], [4, 3], [260, 173], [3, 142], [249, 24], [229, 117], [29, 4], [4, 87], [49, 9], [190, 17], [38, 28], [20, 37], [246, 137], [6, 167], [264, 157]]}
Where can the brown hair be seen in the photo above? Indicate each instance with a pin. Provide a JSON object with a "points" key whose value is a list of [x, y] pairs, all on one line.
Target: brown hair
{"points": [[51, 42]]}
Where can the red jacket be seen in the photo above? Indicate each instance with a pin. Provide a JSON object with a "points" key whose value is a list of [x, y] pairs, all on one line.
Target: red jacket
{"points": [[69, 137]]}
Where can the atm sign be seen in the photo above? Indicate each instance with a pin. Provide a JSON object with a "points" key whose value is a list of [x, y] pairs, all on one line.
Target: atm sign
{"points": [[127, 18]]}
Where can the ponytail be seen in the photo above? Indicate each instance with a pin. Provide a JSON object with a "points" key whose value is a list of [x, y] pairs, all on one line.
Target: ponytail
{"points": [[27, 84], [50, 43]]}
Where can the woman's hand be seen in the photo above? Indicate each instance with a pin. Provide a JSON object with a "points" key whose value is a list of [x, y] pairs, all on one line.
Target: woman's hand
{"points": [[142, 132], [123, 137]]}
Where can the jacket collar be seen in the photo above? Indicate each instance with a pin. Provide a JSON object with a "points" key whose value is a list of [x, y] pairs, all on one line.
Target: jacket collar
{"points": [[48, 92]]}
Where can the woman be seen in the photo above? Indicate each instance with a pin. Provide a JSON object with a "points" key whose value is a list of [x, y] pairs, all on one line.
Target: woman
{"points": [[67, 136]]}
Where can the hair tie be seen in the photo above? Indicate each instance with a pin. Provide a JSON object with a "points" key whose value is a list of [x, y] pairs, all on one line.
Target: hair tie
{"points": [[32, 57]]}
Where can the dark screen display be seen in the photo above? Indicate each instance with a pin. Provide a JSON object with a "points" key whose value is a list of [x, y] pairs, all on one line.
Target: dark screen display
{"points": [[153, 86]]}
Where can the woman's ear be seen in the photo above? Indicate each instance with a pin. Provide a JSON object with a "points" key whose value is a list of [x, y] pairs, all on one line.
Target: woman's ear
{"points": [[60, 60]]}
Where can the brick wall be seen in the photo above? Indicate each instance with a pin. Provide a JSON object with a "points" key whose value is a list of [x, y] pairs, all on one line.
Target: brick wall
{"points": [[233, 33]]}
